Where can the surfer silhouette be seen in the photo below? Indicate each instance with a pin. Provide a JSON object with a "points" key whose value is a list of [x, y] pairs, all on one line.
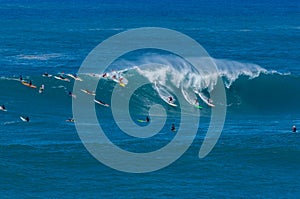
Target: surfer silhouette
{"points": [[42, 88], [170, 99], [3, 107], [71, 94], [147, 119], [70, 120], [173, 128], [294, 129]]}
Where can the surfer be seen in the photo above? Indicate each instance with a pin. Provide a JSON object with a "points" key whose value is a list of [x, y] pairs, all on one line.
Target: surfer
{"points": [[88, 92], [70, 120], [173, 128], [294, 129], [42, 88], [101, 103], [46, 74], [71, 94], [2, 108], [25, 119], [21, 78], [104, 75], [170, 98], [147, 119]]}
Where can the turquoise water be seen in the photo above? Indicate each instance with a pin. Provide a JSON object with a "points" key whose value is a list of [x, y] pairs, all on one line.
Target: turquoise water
{"points": [[255, 46]]}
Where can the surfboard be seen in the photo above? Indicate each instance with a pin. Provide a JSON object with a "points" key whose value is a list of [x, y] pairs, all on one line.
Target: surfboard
{"points": [[27, 84], [23, 119], [204, 99], [170, 103], [100, 103], [72, 76], [141, 120], [62, 79], [197, 106], [122, 84], [88, 92]]}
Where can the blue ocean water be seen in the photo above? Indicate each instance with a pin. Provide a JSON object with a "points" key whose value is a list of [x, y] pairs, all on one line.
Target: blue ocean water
{"points": [[255, 45]]}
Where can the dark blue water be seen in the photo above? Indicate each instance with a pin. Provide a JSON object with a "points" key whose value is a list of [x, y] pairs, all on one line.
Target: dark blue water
{"points": [[255, 46]]}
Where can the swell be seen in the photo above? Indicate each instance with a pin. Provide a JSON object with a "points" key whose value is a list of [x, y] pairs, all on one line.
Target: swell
{"points": [[248, 87]]}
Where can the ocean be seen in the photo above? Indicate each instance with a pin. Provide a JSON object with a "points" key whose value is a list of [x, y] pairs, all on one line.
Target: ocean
{"points": [[255, 48]]}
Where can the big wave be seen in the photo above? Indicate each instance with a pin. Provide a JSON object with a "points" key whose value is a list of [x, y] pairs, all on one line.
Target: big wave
{"points": [[248, 87]]}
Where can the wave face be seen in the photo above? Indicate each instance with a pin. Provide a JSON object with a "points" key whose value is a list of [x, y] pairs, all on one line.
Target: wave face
{"points": [[249, 87]]}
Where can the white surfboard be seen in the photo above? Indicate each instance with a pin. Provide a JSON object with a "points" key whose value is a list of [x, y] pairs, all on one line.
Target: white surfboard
{"points": [[101, 103], [88, 92], [170, 103], [75, 78], [23, 119], [62, 79]]}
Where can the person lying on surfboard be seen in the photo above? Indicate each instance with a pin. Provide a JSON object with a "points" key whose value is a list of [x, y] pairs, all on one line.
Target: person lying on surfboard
{"points": [[25, 119], [70, 120], [61, 77], [2, 108]]}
